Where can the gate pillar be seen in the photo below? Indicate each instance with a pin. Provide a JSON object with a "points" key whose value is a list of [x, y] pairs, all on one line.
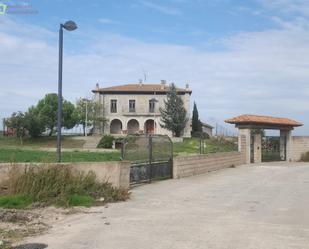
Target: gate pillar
{"points": [[245, 147], [257, 148], [285, 145]]}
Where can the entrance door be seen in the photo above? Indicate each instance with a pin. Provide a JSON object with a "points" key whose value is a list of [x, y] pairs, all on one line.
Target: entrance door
{"points": [[252, 148], [149, 126], [271, 149]]}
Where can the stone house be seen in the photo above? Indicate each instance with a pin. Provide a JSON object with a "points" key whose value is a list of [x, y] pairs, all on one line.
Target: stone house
{"points": [[134, 108], [207, 128]]}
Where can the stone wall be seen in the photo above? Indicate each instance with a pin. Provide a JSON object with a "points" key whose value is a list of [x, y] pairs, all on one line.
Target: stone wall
{"points": [[299, 146], [117, 173], [141, 114], [185, 166]]}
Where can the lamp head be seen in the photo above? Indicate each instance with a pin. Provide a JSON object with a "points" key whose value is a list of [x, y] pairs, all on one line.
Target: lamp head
{"points": [[69, 25]]}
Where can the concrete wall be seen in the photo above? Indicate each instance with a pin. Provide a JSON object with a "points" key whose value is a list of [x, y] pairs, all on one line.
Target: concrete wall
{"points": [[299, 146], [185, 166], [117, 173]]}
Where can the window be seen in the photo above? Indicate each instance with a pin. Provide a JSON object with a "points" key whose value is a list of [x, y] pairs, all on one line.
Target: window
{"points": [[132, 105], [113, 105], [152, 105]]}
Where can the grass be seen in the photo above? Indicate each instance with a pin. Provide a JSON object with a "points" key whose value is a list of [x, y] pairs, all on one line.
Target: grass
{"points": [[80, 200], [57, 185], [40, 142], [23, 155], [192, 145], [15, 201]]}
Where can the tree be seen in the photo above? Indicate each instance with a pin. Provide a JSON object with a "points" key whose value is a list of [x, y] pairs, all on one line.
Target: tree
{"points": [[196, 123], [46, 110], [173, 115], [33, 123], [17, 122], [95, 115]]}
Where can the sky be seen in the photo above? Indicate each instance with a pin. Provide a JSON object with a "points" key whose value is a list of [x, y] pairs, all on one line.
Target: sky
{"points": [[238, 56]]}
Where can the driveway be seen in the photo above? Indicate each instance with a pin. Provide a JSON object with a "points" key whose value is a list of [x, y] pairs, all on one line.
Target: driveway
{"points": [[249, 207]]}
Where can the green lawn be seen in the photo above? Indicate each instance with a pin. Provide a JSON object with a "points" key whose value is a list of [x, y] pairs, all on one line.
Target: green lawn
{"points": [[192, 145], [34, 150], [23, 155], [43, 142]]}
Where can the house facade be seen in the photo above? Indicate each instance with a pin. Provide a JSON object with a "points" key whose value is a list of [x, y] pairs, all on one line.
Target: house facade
{"points": [[134, 108], [207, 128]]}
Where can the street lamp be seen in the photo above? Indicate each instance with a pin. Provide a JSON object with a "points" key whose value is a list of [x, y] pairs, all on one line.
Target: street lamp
{"points": [[70, 26]]}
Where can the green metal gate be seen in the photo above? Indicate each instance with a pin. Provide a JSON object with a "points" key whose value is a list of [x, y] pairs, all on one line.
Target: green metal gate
{"points": [[271, 150], [151, 157]]}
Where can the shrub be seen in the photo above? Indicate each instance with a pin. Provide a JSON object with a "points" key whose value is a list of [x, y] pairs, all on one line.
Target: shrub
{"points": [[106, 142], [62, 186], [198, 134], [305, 157]]}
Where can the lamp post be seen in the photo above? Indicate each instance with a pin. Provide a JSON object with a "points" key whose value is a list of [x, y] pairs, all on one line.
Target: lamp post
{"points": [[70, 26]]}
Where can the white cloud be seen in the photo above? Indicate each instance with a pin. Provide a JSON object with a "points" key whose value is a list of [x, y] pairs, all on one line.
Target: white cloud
{"points": [[287, 6], [257, 72], [161, 8], [107, 21]]}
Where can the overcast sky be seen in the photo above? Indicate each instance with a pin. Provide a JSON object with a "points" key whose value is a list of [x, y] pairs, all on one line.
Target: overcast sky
{"points": [[237, 56]]}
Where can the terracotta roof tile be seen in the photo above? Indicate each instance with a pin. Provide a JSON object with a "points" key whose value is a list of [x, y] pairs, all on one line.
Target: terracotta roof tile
{"points": [[140, 88], [256, 119]]}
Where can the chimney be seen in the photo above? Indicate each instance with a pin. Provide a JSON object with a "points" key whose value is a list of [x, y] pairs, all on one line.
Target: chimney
{"points": [[187, 86], [163, 84], [140, 82], [97, 87]]}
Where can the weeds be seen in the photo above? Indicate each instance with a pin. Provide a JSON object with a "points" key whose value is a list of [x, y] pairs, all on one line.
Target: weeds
{"points": [[57, 185], [305, 157]]}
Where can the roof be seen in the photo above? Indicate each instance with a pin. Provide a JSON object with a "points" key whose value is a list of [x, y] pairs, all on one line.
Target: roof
{"points": [[207, 125], [140, 88], [265, 120]]}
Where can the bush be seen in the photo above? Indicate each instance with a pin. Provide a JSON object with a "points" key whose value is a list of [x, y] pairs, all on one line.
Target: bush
{"points": [[106, 142], [198, 134], [305, 157], [62, 186]]}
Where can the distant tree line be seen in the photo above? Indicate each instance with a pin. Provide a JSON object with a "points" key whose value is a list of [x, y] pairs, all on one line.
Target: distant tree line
{"points": [[43, 117]]}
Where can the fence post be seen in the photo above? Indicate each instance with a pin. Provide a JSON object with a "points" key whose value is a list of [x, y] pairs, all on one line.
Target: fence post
{"points": [[123, 144], [150, 157]]}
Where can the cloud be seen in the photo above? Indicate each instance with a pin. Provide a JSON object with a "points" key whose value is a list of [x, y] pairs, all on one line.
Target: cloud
{"points": [[161, 8], [107, 21], [257, 72], [287, 6]]}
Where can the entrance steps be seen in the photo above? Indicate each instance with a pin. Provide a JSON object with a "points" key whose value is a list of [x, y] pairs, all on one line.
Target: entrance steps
{"points": [[91, 142]]}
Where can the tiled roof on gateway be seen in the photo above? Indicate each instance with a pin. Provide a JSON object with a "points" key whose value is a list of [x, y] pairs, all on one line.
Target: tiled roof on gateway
{"points": [[141, 87], [256, 119]]}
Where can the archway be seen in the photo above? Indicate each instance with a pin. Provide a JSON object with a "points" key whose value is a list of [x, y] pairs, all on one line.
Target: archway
{"points": [[116, 126], [260, 148], [133, 126], [150, 126]]}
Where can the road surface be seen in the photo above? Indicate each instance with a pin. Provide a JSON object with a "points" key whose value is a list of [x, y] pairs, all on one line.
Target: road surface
{"points": [[248, 207]]}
